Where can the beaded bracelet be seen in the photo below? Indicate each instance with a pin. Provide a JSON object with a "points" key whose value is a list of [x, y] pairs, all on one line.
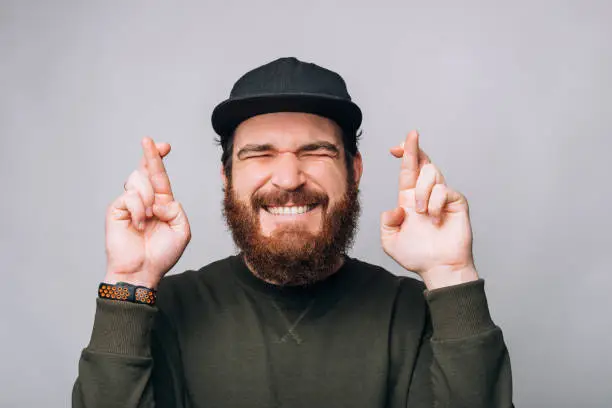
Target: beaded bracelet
{"points": [[127, 292]]}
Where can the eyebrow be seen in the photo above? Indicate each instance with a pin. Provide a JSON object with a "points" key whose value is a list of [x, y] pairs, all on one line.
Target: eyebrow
{"points": [[254, 148], [310, 147]]}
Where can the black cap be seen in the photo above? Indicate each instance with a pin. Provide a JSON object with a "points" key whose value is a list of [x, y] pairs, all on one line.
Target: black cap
{"points": [[288, 85]]}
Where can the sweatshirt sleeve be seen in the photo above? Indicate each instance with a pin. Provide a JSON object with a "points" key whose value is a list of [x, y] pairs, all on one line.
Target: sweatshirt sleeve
{"points": [[462, 359], [131, 344], [471, 364]]}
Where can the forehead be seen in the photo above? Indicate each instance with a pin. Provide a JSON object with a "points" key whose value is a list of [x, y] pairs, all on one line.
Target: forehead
{"points": [[287, 130]]}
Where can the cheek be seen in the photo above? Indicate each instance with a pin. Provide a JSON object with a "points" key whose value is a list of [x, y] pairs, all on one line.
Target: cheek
{"points": [[330, 177], [246, 180]]}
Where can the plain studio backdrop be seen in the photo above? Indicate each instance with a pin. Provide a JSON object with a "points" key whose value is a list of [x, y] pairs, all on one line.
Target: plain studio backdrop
{"points": [[512, 99]]}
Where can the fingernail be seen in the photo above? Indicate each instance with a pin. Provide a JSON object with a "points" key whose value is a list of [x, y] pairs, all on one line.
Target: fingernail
{"points": [[141, 226]]}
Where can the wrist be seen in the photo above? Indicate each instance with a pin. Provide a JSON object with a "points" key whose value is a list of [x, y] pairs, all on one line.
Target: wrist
{"points": [[447, 275], [136, 279]]}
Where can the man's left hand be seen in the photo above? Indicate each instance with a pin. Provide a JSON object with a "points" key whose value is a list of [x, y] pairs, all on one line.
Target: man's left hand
{"points": [[429, 232]]}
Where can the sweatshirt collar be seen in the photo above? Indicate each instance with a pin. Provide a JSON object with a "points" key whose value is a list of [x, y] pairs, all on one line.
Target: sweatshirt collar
{"points": [[297, 292]]}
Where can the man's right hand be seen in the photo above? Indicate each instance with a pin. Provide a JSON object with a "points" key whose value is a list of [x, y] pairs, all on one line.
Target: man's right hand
{"points": [[146, 229]]}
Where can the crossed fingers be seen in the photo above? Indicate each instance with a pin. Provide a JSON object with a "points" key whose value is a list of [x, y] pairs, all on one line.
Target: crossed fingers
{"points": [[421, 184], [148, 184]]}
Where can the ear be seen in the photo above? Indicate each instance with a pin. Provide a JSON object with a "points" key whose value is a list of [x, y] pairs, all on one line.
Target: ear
{"points": [[223, 177], [357, 168]]}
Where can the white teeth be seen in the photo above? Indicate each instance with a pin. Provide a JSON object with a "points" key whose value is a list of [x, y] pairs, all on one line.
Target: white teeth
{"points": [[290, 210]]}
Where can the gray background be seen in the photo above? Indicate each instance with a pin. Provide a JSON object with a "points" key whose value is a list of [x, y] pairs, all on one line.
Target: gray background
{"points": [[513, 101]]}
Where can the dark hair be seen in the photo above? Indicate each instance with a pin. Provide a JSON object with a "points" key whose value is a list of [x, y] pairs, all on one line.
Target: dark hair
{"points": [[350, 142]]}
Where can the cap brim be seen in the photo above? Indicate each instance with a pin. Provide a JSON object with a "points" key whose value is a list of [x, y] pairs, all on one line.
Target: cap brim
{"points": [[230, 113]]}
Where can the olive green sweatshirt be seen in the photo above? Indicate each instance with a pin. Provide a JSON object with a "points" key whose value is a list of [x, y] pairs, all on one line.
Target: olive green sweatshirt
{"points": [[220, 337]]}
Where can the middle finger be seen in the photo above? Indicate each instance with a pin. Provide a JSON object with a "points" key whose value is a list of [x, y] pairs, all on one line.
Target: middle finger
{"points": [[142, 185], [156, 169], [428, 178], [162, 148]]}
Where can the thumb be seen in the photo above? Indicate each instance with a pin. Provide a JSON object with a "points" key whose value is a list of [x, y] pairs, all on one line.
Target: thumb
{"points": [[391, 221], [171, 213]]}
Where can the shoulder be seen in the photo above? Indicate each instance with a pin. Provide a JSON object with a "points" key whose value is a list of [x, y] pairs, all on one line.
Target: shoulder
{"points": [[377, 275], [408, 304], [403, 295], [211, 271], [193, 283]]}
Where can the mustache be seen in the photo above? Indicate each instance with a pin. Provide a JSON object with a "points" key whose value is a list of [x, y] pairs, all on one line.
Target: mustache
{"points": [[281, 197]]}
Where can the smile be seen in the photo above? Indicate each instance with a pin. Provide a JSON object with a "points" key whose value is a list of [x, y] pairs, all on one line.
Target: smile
{"points": [[292, 210]]}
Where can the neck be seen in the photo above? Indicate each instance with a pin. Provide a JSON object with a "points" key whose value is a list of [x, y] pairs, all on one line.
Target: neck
{"points": [[337, 265]]}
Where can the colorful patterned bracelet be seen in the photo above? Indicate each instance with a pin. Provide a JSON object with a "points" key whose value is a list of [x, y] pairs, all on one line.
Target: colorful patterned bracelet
{"points": [[127, 292]]}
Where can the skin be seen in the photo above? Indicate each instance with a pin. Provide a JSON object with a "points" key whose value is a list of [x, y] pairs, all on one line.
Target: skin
{"points": [[428, 232], [288, 151], [147, 230]]}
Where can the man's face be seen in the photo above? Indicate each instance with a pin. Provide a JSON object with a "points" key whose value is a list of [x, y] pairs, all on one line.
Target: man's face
{"points": [[290, 194]]}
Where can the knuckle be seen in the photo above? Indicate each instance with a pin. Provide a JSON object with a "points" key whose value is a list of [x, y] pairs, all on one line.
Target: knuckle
{"points": [[147, 195], [112, 209], [143, 179], [171, 207], [427, 176], [129, 183], [130, 195], [434, 209], [423, 189], [438, 195], [432, 171], [428, 169], [436, 200], [115, 214], [421, 181], [156, 178], [133, 200], [439, 189]]}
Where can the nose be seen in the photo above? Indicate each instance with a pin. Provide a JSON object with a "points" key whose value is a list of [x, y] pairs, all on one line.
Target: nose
{"points": [[287, 173]]}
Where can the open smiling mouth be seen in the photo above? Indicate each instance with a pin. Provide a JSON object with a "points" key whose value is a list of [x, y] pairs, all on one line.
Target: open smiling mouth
{"points": [[290, 210]]}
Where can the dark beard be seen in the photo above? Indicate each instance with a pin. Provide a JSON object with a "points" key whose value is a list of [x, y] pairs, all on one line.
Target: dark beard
{"points": [[291, 255]]}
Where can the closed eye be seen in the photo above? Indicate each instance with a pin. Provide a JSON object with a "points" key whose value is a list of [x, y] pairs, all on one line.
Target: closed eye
{"points": [[319, 154], [319, 149], [316, 150], [256, 155], [253, 151]]}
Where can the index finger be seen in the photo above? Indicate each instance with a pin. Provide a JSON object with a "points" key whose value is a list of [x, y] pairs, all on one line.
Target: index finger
{"points": [[156, 169], [398, 151]]}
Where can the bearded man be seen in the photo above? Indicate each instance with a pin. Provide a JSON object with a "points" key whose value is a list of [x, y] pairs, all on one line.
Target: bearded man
{"points": [[292, 320]]}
